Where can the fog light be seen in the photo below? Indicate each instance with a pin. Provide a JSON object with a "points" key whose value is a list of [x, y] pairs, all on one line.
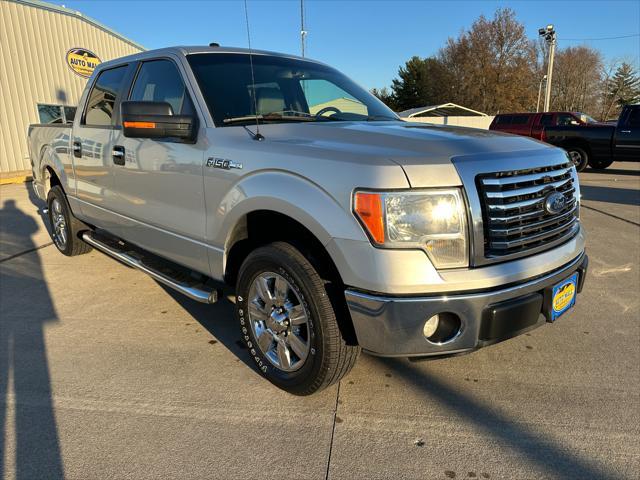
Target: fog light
{"points": [[430, 326], [442, 328]]}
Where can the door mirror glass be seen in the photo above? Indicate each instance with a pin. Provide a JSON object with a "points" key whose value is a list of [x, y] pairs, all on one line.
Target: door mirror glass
{"points": [[155, 120]]}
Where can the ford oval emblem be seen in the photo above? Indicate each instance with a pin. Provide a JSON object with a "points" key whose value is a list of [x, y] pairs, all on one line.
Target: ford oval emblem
{"points": [[555, 202]]}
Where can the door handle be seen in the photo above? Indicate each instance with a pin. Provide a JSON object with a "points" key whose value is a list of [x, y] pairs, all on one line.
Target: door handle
{"points": [[77, 149], [118, 154], [625, 131]]}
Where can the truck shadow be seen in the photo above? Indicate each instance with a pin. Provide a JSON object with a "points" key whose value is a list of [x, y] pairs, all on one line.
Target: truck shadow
{"points": [[532, 446], [25, 384], [622, 196], [219, 320]]}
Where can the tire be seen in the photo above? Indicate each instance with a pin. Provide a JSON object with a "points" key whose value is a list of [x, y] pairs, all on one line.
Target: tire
{"points": [[65, 228], [579, 157], [306, 326], [600, 164]]}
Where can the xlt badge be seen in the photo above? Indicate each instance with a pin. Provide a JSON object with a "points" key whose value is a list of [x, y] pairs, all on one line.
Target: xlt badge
{"points": [[223, 163]]}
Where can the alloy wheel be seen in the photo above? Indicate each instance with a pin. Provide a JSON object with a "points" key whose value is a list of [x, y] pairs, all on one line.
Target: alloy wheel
{"points": [[59, 224], [279, 321]]}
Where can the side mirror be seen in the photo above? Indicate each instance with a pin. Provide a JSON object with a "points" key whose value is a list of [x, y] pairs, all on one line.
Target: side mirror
{"points": [[155, 120]]}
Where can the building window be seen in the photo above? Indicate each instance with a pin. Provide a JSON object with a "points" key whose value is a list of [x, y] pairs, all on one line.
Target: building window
{"points": [[48, 113]]}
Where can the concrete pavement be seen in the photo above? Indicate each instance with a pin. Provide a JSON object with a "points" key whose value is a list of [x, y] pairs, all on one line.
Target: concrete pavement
{"points": [[106, 374]]}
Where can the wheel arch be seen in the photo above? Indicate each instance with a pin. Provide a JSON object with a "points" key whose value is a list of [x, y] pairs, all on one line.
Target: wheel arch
{"points": [[253, 230]]}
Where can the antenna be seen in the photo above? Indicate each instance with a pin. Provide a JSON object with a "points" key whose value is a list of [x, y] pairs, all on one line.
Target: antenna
{"points": [[257, 135], [303, 32]]}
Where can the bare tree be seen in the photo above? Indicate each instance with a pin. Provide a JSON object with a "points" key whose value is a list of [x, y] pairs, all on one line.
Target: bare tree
{"points": [[493, 64], [576, 80]]}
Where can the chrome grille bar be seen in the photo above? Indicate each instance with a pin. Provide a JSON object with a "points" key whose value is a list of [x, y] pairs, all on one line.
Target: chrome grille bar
{"points": [[514, 213]]}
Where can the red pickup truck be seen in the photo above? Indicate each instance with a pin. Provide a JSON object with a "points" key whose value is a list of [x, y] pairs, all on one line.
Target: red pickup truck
{"points": [[532, 124]]}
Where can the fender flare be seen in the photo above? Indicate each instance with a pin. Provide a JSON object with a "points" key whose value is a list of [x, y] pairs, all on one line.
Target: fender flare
{"points": [[48, 158], [291, 195]]}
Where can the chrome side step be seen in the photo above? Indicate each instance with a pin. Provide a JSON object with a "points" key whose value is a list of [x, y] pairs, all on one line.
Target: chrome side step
{"points": [[197, 291]]}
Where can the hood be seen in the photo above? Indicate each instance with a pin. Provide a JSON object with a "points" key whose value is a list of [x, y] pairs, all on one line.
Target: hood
{"points": [[425, 152]]}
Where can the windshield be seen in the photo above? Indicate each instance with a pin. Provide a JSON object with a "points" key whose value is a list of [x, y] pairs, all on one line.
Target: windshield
{"points": [[286, 90]]}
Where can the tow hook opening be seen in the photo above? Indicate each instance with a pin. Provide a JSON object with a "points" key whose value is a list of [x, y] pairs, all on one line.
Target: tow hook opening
{"points": [[442, 328]]}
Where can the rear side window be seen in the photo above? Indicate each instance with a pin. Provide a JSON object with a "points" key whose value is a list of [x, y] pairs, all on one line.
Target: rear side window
{"points": [[520, 119], [103, 95], [633, 118], [503, 120], [546, 119], [160, 81]]}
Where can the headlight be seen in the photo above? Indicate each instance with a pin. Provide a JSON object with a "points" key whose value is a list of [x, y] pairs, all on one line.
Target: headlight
{"points": [[434, 220]]}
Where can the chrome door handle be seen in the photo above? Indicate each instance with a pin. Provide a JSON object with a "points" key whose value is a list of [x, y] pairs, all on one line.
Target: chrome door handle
{"points": [[625, 131], [117, 153]]}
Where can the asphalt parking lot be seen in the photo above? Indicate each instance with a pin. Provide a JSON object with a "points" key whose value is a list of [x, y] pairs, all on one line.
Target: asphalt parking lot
{"points": [[106, 374]]}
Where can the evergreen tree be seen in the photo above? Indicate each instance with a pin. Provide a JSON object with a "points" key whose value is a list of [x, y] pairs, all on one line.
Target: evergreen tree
{"points": [[624, 87]]}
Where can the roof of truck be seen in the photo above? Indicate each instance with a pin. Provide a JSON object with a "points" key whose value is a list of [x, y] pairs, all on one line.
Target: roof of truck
{"points": [[193, 49]]}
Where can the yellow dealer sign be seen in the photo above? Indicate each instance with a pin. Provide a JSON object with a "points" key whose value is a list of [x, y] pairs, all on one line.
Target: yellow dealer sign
{"points": [[82, 61]]}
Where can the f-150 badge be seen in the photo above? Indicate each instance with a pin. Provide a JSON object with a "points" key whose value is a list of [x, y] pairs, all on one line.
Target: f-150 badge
{"points": [[223, 163]]}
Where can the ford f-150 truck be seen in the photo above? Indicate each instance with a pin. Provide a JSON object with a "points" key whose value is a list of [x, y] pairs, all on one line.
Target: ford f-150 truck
{"points": [[341, 227], [600, 145]]}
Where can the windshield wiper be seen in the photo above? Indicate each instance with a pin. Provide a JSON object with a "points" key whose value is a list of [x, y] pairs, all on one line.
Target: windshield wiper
{"points": [[373, 118], [268, 117]]}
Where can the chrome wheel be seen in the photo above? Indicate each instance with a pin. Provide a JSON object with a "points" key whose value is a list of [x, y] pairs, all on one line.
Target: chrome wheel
{"points": [[576, 157], [59, 224], [279, 321]]}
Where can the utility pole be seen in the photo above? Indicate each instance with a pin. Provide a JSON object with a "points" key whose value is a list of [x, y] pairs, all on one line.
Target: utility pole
{"points": [[303, 32], [549, 35], [539, 93]]}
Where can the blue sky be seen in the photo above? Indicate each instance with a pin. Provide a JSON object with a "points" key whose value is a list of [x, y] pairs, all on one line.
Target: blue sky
{"points": [[367, 40]]}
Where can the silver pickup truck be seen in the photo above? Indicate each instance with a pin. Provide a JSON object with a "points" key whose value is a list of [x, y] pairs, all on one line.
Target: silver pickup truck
{"points": [[341, 227]]}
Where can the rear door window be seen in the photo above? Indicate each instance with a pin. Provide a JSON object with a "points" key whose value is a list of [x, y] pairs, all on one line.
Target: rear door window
{"points": [[503, 120], [160, 81], [520, 119], [633, 118], [546, 119], [102, 98]]}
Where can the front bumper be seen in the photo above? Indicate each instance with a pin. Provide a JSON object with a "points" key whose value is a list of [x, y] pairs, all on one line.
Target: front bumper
{"points": [[393, 326]]}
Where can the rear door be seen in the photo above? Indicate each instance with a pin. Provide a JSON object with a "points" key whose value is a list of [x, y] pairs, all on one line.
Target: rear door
{"points": [[91, 144], [626, 141], [541, 121], [159, 184]]}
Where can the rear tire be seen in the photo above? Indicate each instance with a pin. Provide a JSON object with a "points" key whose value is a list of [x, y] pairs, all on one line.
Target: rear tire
{"points": [[600, 164], [288, 322], [65, 228], [579, 157]]}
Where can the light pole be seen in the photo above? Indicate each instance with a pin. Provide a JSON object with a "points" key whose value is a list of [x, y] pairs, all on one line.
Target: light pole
{"points": [[539, 92], [549, 35]]}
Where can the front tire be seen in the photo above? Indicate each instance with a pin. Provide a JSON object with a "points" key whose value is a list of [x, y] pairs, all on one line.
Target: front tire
{"points": [[288, 322], [579, 157], [65, 228], [600, 164]]}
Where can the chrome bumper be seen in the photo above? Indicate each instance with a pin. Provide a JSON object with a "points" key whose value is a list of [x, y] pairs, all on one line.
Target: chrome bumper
{"points": [[393, 326]]}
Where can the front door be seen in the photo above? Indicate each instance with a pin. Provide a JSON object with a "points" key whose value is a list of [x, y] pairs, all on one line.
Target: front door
{"points": [[626, 142], [91, 147], [159, 182]]}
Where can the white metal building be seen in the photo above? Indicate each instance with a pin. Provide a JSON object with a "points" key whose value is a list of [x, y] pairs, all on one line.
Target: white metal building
{"points": [[47, 53]]}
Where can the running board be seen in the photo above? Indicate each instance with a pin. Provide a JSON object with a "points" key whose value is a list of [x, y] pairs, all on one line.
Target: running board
{"points": [[197, 291]]}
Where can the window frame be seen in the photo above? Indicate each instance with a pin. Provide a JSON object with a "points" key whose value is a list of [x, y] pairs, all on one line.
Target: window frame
{"points": [[116, 105], [136, 73]]}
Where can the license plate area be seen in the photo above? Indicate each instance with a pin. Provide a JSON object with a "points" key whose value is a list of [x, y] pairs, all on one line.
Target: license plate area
{"points": [[560, 298]]}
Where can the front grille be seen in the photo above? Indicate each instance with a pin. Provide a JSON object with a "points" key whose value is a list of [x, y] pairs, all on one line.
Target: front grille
{"points": [[514, 214]]}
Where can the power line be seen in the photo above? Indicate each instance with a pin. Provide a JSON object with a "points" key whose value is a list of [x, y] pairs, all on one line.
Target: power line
{"points": [[602, 38]]}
